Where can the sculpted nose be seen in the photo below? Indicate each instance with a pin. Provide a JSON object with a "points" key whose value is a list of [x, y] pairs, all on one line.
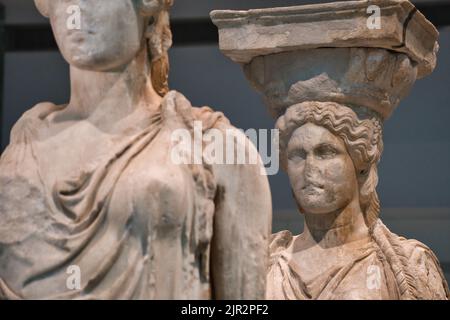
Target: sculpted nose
{"points": [[310, 170]]}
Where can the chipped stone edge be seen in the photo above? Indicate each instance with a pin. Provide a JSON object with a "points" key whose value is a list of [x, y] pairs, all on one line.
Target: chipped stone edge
{"points": [[244, 35]]}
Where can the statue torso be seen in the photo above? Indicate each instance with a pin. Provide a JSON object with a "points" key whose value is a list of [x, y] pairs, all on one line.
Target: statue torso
{"points": [[114, 205], [361, 270]]}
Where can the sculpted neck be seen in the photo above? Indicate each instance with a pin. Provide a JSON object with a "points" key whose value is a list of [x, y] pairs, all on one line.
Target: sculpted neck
{"points": [[112, 93], [336, 228]]}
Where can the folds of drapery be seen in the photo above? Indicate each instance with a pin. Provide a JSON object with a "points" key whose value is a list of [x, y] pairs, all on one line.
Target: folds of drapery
{"points": [[75, 226]]}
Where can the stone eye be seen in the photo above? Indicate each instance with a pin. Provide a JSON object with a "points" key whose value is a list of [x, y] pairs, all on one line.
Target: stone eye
{"points": [[325, 152], [297, 154]]}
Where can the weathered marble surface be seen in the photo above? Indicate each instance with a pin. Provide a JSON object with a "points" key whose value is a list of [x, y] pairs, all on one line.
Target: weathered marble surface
{"points": [[91, 184], [245, 35], [371, 77], [331, 82]]}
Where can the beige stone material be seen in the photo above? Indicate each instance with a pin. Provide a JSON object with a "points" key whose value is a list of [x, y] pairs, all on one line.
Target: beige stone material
{"points": [[92, 205], [331, 83], [245, 35], [371, 77]]}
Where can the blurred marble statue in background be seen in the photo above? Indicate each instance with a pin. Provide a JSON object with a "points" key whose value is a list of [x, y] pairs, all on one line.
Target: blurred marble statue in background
{"points": [[90, 186], [331, 80]]}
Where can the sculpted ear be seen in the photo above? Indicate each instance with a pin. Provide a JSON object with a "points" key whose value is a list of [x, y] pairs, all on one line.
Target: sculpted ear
{"points": [[42, 6]]}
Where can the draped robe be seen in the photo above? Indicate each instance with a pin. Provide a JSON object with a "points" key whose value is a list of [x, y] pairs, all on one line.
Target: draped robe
{"points": [[366, 273], [135, 224]]}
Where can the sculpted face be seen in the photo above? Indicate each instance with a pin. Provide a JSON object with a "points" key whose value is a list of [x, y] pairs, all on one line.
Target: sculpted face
{"points": [[320, 169], [110, 34]]}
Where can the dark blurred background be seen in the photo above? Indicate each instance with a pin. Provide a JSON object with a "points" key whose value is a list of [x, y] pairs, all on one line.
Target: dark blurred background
{"points": [[415, 169]]}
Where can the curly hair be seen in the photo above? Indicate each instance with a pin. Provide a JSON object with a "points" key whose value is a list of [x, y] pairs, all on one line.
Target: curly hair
{"points": [[361, 131], [159, 41]]}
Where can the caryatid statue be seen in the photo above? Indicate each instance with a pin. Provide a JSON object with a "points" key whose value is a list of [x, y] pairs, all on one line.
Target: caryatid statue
{"points": [[331, 74], [93, 204]]}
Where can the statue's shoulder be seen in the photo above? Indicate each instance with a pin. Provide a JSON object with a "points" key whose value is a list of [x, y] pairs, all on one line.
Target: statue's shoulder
{"points": [[280, 241], [30, 120], [279, 245], [219, 136], [211, 119], [417, 252], [408, 247], [176, 105], [425, 266], [419, 273]]}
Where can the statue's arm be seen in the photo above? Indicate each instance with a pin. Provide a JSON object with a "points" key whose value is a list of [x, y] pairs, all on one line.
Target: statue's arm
{"points": [[242, 226]]}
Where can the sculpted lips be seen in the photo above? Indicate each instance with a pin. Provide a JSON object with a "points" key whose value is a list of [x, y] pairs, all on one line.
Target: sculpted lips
{"points": [[313, 187]]}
